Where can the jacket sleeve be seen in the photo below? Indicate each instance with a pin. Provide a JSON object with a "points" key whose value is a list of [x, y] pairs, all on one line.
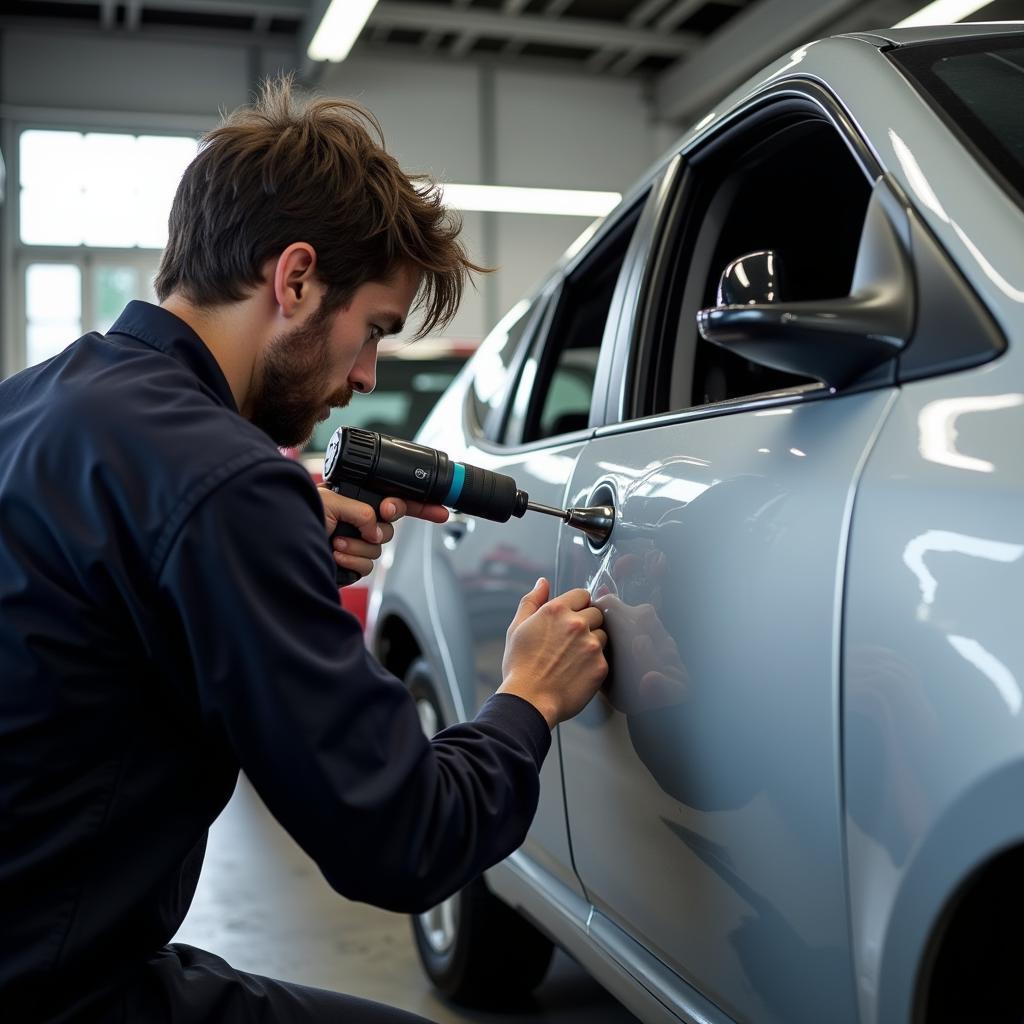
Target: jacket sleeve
{"points": [[329, 738]]}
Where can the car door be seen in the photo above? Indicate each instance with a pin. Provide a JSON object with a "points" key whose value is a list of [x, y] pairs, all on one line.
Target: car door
{"points": [[492, 565], [703, 786]]}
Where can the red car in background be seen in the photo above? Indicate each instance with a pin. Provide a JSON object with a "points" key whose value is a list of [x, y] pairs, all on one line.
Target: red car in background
{"points": [[411, 377]]}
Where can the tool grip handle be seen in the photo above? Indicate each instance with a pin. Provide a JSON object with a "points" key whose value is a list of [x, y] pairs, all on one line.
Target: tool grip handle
{"points": [[346, 577]]}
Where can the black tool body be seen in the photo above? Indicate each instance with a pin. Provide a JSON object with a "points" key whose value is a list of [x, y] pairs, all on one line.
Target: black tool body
{"points": [[369, 467], [348, 576]]}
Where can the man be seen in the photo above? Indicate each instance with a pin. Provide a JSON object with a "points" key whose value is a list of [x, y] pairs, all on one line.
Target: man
{"points": [[167, 606]]}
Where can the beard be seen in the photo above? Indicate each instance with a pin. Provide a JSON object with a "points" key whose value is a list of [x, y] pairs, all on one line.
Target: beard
{"points": [[290, 392]]}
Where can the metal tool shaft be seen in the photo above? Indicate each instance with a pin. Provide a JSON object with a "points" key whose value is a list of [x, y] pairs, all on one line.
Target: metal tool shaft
{"points": [[560, 513]]}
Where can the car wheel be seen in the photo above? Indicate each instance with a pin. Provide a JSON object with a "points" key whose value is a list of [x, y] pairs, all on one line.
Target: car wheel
{"points": [[475, 949]]}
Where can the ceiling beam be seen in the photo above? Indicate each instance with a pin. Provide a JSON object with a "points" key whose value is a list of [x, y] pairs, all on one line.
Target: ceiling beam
{"points": [[463, 45], [678, 13], [642, 13], [431, 40], [239, 8], [530, 28], [753, 38]]}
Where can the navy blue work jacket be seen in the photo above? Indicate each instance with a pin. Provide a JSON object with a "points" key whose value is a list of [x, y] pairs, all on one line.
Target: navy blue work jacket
{"points": [[168, 614]]}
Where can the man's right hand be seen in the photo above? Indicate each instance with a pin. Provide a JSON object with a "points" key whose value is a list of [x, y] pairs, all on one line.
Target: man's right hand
{"points": [[554, 652]]}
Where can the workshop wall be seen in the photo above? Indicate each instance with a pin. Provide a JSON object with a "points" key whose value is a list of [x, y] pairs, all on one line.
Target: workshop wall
{"points": [[459, 122]]}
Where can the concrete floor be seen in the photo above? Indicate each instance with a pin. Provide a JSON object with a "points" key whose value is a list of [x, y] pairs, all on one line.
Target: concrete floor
{"points": [[264, 907]]}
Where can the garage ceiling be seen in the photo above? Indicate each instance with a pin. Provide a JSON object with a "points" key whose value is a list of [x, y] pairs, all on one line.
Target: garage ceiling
{"points": [[691, 50]]}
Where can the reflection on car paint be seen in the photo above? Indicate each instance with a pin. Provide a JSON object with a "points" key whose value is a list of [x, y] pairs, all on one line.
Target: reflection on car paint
{"points": [[946, 542], [925, 194], [936, 424], [992, 668]]}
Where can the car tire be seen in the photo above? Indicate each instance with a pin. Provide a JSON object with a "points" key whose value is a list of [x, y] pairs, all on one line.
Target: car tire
{"points": [[475, 949]]}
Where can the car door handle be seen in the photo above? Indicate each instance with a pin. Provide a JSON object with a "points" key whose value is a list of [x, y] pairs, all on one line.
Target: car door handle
{"points": [[456, 528]]}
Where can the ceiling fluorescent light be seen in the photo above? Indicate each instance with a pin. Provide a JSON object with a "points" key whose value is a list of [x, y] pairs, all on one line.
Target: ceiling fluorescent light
{"points": [[339, 29], [943, 12], [505, 199]]}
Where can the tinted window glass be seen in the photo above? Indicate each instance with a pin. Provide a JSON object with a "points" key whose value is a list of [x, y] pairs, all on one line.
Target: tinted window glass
{"points": [[561, 397], [493, 359], [979, 86], [406, 391], [794, 190]]}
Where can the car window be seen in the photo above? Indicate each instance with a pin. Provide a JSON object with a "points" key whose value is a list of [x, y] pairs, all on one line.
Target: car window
{"points": [[407, 389], [492, 362], [558, 384], [793, 188], [978, 85]]}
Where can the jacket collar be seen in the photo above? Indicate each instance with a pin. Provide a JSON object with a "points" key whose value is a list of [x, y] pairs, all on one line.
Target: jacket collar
{"points": [[169, 334]]}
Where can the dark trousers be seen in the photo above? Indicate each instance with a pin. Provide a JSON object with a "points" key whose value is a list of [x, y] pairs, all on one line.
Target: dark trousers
{"points": [[185, 985]]}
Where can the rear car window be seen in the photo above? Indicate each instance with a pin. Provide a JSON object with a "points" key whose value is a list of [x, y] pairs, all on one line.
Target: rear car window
{"points": [[978, 87], [406, 391]]}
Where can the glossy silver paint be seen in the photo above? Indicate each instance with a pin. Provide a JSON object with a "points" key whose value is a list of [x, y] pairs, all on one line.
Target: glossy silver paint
{"points": [[703, 784], [934, 666], [813, 733]]}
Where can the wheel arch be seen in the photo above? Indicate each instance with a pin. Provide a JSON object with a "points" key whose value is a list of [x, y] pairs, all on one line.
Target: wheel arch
{"points": [[950, 868]]}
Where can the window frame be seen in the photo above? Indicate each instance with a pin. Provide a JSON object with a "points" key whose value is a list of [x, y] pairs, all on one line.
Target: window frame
{"points": [[644, 201], [488, 434], [16, 256], [679, 214]]}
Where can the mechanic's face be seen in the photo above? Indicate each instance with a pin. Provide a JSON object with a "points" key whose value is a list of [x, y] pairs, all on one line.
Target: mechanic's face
{"points": [[320, 363]]}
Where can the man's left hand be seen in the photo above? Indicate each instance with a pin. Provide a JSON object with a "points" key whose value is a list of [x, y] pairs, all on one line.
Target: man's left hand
{"points": [[359, 553]]}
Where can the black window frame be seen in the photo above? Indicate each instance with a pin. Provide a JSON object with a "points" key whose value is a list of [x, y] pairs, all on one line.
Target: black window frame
{"points": [[544, 352], [915, 62], [791, 102]]}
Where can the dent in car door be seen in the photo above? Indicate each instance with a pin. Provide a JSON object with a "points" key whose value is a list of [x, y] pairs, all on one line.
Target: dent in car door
{"points": [[703, 784]]}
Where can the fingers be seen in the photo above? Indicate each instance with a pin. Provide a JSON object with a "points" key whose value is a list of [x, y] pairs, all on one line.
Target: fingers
{"points": [[339, 509], [592, 617], [362, 566], [353, 553], [395, 508], [577, 599], [431, 513], [601, 636], [531, 602]]}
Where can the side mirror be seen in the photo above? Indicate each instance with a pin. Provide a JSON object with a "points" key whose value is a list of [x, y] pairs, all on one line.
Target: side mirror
{"points": [[835, 341], [751, 280]]}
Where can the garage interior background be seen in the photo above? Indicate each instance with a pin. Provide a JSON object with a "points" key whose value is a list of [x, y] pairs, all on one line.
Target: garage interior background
{"points": [[570, 94], [567, 94]]}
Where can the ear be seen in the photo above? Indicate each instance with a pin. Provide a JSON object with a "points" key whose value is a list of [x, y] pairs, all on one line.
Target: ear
{"points": [[294, 274]]}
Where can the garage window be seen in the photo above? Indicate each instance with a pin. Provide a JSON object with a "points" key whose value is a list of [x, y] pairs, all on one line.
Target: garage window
{"points": [[92, 220]]}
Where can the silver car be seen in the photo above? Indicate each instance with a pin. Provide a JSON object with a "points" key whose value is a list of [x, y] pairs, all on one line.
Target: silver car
{"points": [[793, 362]]}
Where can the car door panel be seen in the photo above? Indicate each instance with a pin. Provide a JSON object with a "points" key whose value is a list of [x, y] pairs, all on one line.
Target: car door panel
{"points": [[492, 565], [702, 784]]}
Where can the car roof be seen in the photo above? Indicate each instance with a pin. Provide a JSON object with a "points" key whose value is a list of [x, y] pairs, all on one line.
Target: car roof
{"points": [[813, 60], [937, 33]]}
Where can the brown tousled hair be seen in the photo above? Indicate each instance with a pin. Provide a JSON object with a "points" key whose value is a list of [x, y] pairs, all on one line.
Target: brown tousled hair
{"points": [[284, 171]]}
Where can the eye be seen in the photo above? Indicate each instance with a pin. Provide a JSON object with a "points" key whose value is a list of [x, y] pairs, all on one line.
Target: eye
{"points": [[376, 332]]}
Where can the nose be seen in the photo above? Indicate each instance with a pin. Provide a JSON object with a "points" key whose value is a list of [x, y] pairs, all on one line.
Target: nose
{"points": [[363, 376]]}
